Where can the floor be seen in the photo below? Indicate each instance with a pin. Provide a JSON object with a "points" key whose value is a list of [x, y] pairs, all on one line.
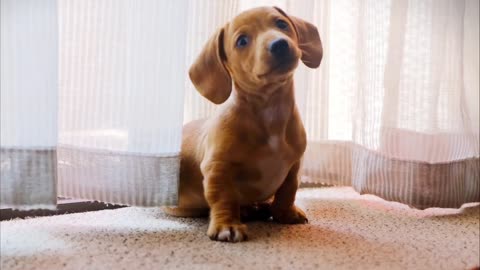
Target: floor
{"points": [[346, 231]]}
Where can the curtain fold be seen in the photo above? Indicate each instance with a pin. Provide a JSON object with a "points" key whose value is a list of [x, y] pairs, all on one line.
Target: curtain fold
{"points": [[406, 132], [122, 74], [92, 101], [28, 86]]}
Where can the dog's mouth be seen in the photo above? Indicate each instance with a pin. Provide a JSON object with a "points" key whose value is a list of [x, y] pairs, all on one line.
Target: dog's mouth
{"points": [[284, 64], [281, 66]]}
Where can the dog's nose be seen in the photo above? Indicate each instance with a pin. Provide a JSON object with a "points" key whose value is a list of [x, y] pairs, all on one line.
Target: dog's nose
{"points": [[279, 47]]}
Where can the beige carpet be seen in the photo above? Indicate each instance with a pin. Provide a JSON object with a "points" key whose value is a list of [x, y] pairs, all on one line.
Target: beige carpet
{"points": [[346, 231]]}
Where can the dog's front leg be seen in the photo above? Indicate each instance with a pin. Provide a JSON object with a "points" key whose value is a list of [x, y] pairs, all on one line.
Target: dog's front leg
{"points": [[283, 207], [221, 196]]}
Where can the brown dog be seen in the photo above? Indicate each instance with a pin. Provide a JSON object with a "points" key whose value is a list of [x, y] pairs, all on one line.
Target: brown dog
{"points": [[250, 150]]}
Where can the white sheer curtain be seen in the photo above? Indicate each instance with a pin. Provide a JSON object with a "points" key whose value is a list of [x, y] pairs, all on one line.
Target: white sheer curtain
{"points": [[122, 75], [394, 108], [28, 83], [97, 86], [403, 114]]}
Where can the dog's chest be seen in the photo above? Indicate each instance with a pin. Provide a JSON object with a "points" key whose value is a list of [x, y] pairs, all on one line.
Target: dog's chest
{"points": [[273, 167], [267, 173], [272, 164], [271, 159]]}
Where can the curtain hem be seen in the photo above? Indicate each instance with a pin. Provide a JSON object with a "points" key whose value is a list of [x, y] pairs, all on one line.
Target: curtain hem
{"points": [[418, 184], [119, 178], [28, 178]]}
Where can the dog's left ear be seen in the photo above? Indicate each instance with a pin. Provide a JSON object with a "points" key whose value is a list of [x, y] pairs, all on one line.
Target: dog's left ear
{"points": [[308, 40], [209, 74]]}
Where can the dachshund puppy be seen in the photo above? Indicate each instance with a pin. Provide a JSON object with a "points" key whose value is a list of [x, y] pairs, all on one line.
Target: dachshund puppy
{"points": [[249, 151]]}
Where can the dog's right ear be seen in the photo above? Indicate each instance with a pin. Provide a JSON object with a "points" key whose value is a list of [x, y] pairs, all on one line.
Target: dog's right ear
{"points": [[208, 72], [308, 40]]}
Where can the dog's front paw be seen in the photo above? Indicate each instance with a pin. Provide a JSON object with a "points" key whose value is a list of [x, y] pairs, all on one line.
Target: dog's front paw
{"points": [[227, 232], [292, 215]]}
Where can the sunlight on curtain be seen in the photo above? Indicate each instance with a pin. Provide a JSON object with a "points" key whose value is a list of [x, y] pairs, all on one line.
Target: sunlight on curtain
{"points": [[396, 72], [122, 76], [393, 109], [29, 75]]}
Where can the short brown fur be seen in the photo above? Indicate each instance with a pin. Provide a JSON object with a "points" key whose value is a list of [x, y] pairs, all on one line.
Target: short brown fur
{"points": [[248, 153]]}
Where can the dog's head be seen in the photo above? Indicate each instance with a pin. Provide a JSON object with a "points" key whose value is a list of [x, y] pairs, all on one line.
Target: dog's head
{"points": [[259, 47]]}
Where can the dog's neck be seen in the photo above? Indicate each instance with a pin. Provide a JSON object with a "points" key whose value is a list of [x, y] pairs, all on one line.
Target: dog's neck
{"points": [[273, 104]]}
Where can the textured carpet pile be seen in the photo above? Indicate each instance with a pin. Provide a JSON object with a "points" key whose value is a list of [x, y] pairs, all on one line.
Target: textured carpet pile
{"points": [[346, 231]]}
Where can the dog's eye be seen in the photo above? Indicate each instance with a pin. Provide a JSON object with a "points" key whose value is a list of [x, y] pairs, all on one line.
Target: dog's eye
{"points": [[281, 24], [242, 41]]}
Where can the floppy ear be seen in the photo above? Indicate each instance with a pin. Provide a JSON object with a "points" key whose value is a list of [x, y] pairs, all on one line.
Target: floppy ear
{"points": [[308, 40], [208, 72]]}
